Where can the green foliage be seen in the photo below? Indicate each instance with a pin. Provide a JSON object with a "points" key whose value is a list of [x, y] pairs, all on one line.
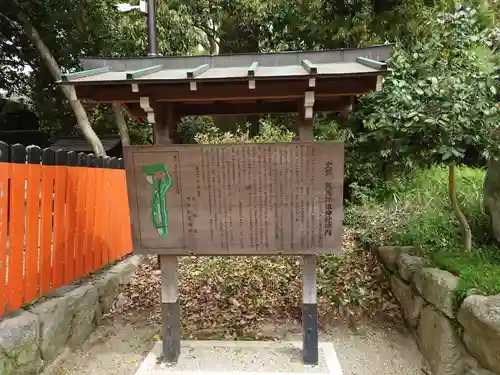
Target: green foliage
{"points": [[417, 213], [440, 99], [269, 133]]}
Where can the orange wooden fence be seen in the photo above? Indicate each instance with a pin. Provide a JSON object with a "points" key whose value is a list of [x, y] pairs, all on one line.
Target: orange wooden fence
{"points": [[58, 224]]}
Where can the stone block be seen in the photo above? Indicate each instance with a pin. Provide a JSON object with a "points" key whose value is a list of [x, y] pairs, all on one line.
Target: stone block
{"points": [[107, 288], [411, 304], [389, 255], [480, 318], [19, 342], [124, 271], [55, 318], [409, 265], [439, 343], [438, 288], [84, 304]]}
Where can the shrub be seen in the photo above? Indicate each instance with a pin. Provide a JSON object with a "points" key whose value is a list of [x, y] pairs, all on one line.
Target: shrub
{"points": [[269, 133]]}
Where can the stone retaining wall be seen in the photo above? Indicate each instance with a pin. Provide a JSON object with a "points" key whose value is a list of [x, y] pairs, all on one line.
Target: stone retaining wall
{"points": [[32, 338], [454, 340]]}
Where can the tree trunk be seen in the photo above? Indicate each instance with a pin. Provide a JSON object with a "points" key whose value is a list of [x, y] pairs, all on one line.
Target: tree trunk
{"points": [[55, 71], [121, 124], [462, 220]]}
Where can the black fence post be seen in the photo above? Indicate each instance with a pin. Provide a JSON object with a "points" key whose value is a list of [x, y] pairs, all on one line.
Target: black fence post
{"points": [[90, 160], [48, 157], [72, 159], [82, 159], [18, 154], [99, 162], [113, 164], [107, 162], [34, 154], [61, 157], [4, 152]]}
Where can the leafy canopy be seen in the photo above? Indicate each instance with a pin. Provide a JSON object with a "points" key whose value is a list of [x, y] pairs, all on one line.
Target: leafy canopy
{"points": [[441, 97]]}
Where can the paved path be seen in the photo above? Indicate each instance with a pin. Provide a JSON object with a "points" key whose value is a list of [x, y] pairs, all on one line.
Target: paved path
{"points": [[117, 348]]}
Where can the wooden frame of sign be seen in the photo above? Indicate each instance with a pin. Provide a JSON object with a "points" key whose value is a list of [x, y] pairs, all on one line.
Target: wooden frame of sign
{"points": [[242, 199]]}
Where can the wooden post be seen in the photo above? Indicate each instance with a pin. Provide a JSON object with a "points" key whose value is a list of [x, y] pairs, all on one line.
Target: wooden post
{"points": [[170, 308], [171, 348], [309, 302]]}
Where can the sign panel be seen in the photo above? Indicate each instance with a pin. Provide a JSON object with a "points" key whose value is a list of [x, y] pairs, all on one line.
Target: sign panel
{"points": [[241, 199]]}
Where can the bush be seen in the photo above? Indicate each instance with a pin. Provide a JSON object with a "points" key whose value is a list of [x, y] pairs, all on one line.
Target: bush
{"points": [[416, 211], [269, 133]]}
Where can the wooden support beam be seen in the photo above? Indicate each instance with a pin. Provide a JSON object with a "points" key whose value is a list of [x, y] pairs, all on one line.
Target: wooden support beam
{"points": [[147, 106], [211, 91], [330, 104], [197, 71], [310, 67], [251, 73], [144, 72], [371, 63], [253, 69], [84, 73], [309, 289], [309, 311], [170, 308], [380, 82], [308, 105]]}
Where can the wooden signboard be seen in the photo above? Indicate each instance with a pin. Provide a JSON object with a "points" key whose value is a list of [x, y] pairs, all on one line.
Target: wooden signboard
{"points": [[241, 199]]}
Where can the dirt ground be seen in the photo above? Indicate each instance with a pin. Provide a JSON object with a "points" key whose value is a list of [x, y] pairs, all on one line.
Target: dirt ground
{"points": [[118, 346]]}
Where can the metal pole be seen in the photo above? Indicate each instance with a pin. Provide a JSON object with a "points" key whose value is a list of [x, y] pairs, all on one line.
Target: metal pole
{"points": [[152, 49]]}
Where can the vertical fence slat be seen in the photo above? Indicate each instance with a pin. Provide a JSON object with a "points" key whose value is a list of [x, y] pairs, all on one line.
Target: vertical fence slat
{"points": [[119, 208], [99, 203], [123, 208], [127, 229], [46, 228], [121, 213], [16, 226], [34, 157], [70, 215], [89, 215], [126, 216], [4, 204], [80, 216], [113, 211], [59, 250], [105, 250]]}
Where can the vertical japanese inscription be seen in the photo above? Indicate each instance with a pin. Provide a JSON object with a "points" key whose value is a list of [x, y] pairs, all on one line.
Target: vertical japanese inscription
{"points": [[207, 185], [328, 199], [239, 181]]}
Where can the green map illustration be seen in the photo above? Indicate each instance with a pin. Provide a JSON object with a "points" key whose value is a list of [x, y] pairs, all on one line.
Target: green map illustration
{"points": [[157, 175]]}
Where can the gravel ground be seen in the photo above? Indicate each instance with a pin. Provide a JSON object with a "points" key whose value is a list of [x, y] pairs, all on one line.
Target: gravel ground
{"points": [[117, 347]]}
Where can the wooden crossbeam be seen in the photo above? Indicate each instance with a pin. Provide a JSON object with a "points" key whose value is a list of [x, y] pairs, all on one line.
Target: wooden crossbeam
{"points": [[197, 71], [234, 90], [310, 67], [221, 108], [84, 73], [379, 65], [144, 72], [252, 69]]}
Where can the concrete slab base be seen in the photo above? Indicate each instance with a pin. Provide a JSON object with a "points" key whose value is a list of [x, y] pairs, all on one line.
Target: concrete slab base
{"points": [[241, 358]]}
